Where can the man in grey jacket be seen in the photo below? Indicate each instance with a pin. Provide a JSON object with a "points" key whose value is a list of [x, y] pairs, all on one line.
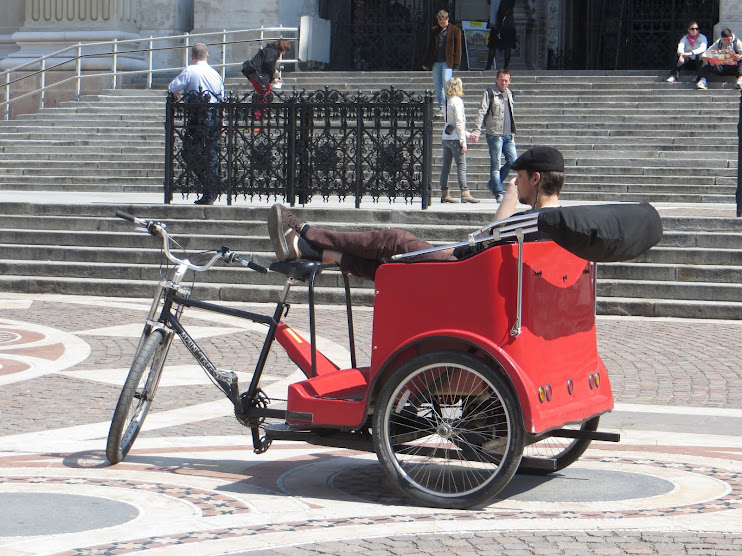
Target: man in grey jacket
{"points": [[496, 113]]}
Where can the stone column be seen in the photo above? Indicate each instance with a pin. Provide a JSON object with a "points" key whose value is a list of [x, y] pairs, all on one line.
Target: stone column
{"points": [[12, 14], [216, 15], [162, 18], [730, 15], [51, 25], [553, 26]]}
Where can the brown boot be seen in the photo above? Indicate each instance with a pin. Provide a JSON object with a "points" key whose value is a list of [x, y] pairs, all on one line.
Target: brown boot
{"points": [[467, 198], [446, 197]]}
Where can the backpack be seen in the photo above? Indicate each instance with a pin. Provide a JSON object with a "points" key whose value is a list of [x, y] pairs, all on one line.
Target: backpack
{"points": [[248, 68]]}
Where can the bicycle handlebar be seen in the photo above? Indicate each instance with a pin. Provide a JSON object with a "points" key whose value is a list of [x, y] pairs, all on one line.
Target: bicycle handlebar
{"points": [[158, 229]]}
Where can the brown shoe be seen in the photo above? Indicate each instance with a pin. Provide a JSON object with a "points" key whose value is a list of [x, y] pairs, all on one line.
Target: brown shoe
{"points": [[446, 197], [284, 237], [287, 218], [467, 198]]}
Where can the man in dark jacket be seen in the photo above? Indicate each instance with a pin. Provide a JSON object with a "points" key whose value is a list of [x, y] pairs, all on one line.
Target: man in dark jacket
{"points": [[443, 54], [502, 31], [261, 69]]}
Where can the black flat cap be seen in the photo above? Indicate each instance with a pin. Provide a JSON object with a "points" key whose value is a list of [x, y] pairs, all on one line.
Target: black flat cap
{"points": [[540, 159]]}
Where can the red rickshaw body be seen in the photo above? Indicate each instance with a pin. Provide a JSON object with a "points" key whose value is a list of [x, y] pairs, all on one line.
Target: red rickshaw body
{"points": [[471, 305]]}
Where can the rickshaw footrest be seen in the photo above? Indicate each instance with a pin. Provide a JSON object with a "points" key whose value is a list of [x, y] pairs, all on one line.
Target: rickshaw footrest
{"points": [[321, 437], [547, 464], [592, 435]]}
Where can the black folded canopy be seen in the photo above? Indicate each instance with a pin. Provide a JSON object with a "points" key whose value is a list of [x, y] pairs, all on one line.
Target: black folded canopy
{"points": [[603, 233]]}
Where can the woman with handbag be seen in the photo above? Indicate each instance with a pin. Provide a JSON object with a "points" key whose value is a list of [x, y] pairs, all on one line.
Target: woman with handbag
{"points": [[454, 142]]}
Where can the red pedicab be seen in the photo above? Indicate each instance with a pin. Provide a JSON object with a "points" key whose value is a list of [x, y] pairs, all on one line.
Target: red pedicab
{"points": [[460, 392]]}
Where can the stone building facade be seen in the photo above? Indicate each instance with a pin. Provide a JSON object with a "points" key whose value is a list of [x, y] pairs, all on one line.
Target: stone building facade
{"points": [[546, 28]]}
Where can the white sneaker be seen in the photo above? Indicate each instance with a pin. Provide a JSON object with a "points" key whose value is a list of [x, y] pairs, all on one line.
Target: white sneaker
{"points": [[671, 79], [701, 84], [738, 84]]}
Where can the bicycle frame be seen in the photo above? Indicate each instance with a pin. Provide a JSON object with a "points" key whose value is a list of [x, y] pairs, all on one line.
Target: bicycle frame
{"points": [[171, 298]]}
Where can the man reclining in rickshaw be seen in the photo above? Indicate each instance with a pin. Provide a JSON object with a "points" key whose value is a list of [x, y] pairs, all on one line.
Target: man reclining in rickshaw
{"points": [[538, 183], [607, 233]]}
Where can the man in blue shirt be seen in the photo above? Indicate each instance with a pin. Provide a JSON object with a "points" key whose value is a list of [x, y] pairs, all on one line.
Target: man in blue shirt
{"points": [[195, 82]]}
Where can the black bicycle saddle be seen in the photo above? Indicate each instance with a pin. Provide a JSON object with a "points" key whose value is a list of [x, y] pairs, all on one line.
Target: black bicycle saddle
{"points": [[298, 270]]}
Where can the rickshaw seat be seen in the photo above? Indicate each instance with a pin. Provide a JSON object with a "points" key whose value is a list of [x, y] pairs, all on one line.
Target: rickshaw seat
{"points": [[298, 270]]}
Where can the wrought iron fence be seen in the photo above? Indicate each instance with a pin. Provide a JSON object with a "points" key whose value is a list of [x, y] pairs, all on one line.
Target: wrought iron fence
{"points": [[327, 143]]}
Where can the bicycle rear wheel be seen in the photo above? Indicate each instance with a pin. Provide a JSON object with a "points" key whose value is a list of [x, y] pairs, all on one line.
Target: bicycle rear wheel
{"points": [[447, 430], [136, 396]]}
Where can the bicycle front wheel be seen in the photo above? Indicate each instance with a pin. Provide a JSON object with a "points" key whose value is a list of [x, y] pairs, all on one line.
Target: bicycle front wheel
{"points": [[136, 396]]}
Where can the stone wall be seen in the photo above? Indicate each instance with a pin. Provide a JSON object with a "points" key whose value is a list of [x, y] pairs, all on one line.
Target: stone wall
{"points": [[730, 15]]}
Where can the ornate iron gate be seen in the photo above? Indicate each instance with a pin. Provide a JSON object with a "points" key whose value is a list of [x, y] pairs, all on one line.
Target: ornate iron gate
{"points": [[327, 143], [381, 34]]}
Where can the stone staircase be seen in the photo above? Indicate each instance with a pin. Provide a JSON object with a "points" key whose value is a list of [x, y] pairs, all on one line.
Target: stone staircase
{"points": [[625, 137], [696, 271]]}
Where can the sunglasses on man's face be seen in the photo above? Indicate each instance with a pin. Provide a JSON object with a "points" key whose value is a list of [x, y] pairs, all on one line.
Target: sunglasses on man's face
{"points": [[693, 28]]}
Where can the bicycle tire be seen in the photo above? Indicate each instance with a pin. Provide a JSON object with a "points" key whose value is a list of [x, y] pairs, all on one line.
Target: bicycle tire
{"points": [[136, 397], [447, 430]]}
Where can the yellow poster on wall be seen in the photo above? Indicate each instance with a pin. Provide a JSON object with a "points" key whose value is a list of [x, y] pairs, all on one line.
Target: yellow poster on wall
{"points": [[476, 35]]}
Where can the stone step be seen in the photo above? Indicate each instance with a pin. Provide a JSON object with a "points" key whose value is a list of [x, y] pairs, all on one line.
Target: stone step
{"points": [[665, 273], [81, 169], [135, 288], [692, 255], [120, 186], [73, 156], [670, 308], [151, 273], [703, 291]]}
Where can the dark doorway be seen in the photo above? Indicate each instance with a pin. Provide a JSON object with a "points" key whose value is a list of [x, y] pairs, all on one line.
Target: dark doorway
{"points": [[627, 34], [380, 34]]}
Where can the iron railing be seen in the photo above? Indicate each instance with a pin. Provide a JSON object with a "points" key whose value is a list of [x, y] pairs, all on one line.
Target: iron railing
{"points": [[324, 143], [73, 56]]}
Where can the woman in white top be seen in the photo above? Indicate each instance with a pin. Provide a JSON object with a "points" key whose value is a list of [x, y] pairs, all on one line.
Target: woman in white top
{"points": [[689, 51], [454, 142]]}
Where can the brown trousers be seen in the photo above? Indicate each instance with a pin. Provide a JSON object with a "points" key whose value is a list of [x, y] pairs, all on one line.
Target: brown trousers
{"points": [[364, 252]]}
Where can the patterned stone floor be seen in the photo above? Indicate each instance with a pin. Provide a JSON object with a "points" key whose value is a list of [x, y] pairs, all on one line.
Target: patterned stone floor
{"points": [[192, 483]]}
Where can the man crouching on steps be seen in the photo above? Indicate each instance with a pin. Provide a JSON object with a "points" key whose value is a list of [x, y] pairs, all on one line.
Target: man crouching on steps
{"points": [[538, 184]]}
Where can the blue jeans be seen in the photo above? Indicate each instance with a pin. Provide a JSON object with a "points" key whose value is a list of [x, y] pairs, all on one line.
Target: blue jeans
{"points": [[499, 145], [441, 75], [451, 152]]}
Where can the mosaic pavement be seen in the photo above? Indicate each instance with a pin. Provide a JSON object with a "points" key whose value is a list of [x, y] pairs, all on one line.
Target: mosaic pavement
{"points": [[192, 484]]}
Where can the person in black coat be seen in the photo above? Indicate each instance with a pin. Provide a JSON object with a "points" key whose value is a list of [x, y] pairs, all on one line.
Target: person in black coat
{"points": [[502, 31], [261, 69]]}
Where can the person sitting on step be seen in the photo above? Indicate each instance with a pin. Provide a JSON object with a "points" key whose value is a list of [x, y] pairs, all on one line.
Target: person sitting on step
{"points": [[724, 57], [539, 180], [688, 55]]}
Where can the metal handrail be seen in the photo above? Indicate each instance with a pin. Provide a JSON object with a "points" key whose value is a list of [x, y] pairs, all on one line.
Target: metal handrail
{"points": [[115, 52]]}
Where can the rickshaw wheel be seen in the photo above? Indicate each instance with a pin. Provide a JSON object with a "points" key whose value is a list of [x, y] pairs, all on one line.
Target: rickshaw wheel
{"points": [[447, 430], [565, 451]]}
